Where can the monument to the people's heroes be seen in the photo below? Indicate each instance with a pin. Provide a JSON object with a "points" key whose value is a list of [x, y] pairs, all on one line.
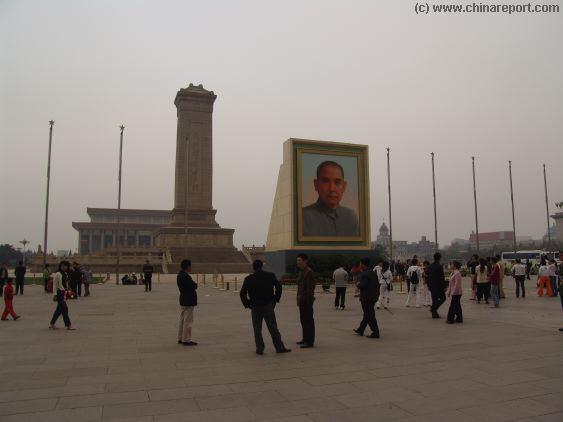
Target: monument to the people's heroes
{"points": [[210, 247]]}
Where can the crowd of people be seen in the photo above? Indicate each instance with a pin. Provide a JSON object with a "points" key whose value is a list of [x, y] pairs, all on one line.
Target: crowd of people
{"points": [[426, 284]]}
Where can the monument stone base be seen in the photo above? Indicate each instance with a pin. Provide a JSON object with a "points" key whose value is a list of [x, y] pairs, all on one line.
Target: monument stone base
{"points": [[209, 248], [279, 261]]}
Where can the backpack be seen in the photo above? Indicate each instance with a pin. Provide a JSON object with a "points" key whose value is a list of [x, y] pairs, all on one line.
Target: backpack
{"points": [[414, 277]]}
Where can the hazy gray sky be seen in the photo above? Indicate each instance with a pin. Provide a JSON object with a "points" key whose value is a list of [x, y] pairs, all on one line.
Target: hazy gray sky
{"points": [[369, 72]]}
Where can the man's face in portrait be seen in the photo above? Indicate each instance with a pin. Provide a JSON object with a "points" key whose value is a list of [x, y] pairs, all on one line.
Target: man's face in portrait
{"points": [[330, 185]]}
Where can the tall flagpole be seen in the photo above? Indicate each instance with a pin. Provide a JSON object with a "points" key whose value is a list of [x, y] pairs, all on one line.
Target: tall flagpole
{"points": [[118, 228], [435, 213], [475, 200], [390, 215], [546, 208], [51, 123], [512, 200]]}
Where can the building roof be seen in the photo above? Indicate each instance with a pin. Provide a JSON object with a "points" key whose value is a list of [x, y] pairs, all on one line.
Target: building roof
{"points": [[384, 229]]}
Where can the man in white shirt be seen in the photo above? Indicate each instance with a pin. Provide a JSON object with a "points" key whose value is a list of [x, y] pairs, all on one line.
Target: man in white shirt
{"points": [[414, 274], [340, 277], [519, 274]]}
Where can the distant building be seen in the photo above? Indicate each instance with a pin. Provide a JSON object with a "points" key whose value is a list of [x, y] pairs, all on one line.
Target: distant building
{"points": [[402, 249], [492, 239], [138, 228]]}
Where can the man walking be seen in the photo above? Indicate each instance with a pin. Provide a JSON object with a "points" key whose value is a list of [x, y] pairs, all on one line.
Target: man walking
{"points": [[436, 284], [19, 272], [147, 272], [260, 292], [305, 300], [369, 294], [340, 277], [188, 301]]}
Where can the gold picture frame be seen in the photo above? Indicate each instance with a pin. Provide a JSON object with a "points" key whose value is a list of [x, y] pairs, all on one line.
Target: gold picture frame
{"points": [[341, 153]]}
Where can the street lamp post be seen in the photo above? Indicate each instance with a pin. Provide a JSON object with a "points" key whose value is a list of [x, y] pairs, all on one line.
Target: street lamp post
{"points": [[118, 227], [51, 123], [389, 192], [435, 213], [546, 207], [186, 201], [512, 201], [475, 201], [24, 242]]}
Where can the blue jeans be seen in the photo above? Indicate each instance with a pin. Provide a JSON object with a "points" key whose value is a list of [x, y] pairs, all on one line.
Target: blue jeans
{"points": [[495, 294], [553, 280]]}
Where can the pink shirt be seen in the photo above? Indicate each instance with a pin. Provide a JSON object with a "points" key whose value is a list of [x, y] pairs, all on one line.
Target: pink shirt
{"points": [[455, 283]]}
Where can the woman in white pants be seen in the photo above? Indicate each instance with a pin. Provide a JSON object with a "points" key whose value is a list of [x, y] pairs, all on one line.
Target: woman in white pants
{"points": [[414, 273], [385, 280]]}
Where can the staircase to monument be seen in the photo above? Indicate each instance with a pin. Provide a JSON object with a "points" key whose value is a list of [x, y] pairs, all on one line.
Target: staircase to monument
{"points": [[209, 260]]}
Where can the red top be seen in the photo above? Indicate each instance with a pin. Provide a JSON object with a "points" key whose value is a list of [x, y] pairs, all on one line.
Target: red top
{"points": [[8, 293], [494, 278]]}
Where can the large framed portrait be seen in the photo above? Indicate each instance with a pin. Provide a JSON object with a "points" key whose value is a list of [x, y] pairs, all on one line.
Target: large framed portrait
{"points": [[331, 194]]}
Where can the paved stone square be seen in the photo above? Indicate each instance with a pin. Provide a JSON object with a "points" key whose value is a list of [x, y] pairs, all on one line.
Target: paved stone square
{"points": [[123, 362]]}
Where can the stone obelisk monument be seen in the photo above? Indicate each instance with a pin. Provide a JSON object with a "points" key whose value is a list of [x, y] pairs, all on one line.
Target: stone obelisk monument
{"points": [[210, 247]]}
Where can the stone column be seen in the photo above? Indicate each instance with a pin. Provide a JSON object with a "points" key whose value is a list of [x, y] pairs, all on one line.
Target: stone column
{"points": [[194, 110]]}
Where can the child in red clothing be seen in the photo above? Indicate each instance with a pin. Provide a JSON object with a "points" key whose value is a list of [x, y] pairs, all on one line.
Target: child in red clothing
{"points": [[8, 301]]}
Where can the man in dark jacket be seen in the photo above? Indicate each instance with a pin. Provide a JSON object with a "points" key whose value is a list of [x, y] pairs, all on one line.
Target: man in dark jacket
{"points": [[19, 272], [436, 284], [188, 301], [369, 294], [260, 292], [147, 272], [305, 300], [76, 280]]}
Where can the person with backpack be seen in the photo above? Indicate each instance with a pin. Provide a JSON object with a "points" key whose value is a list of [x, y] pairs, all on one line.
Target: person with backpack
{"points": [[414, 275]]}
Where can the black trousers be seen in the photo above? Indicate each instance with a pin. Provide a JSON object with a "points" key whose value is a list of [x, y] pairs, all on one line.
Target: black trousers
{"points": [[438, 298], [307, 322], [266, 313], [74, 287], [148, 282], [369, 317], [62, 309], [79, 288], [455, 313], [45, 282], [519, 279], [19, 286], [483, 291], [340, 297]]}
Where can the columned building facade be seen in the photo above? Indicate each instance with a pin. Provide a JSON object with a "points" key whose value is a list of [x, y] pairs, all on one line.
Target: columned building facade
{"points": [[138, 228]]}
